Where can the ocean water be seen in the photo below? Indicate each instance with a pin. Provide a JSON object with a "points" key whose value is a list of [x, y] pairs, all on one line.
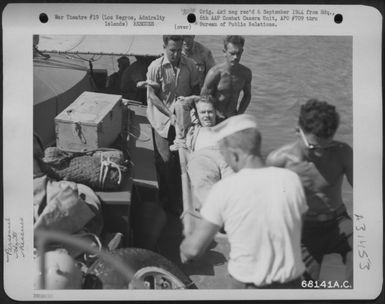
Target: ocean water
{"points": [[287, 71]]}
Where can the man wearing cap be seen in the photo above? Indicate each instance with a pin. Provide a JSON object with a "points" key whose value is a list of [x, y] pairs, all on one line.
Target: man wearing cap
{"points": [[321, 163], [115, 79], [169, 76], [260, 208], [201, 55], [225, 81]]}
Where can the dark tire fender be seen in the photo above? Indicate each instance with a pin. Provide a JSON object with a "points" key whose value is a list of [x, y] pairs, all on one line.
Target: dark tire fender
{"points": [[102, 275]]}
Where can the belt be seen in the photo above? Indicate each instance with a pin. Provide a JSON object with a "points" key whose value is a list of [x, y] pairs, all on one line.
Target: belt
{"points": [[324, 217]]}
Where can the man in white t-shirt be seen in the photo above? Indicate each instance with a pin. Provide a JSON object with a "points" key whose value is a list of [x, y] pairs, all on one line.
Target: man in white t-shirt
{"points": [[260, 209]]}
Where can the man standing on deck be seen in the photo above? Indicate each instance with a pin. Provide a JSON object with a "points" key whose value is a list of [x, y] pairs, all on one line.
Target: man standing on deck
{"points": [[201, 55], [115, 79], [170, 76], [226, 81], [321, 163], [260, 209]]}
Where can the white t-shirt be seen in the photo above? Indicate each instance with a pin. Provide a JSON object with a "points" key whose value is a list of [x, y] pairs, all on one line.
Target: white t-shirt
{"points": [[199, 137], [206, 138], [261, 212]]}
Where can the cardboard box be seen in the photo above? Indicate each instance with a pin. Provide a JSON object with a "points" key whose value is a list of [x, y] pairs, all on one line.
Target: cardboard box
{"points": [[93, 120]]}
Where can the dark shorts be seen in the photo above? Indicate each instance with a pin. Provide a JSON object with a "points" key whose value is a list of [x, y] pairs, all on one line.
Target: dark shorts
{"points": [[320, 238]]}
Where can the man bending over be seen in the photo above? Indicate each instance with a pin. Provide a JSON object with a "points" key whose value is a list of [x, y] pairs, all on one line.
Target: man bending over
{"points": [[260, 209]]}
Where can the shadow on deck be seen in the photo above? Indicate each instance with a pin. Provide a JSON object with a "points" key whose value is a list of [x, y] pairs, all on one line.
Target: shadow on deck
{"points": [[210, 271]]}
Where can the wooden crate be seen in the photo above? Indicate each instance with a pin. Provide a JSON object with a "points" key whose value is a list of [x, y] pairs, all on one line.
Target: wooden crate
{"points": [[93, 120]]}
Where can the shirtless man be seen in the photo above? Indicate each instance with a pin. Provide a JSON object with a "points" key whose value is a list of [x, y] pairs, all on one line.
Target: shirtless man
{"points": [[226, 81], [321, 163]]}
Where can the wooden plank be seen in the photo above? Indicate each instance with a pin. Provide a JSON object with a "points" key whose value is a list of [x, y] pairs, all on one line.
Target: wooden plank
{"points": [[142, 147]]}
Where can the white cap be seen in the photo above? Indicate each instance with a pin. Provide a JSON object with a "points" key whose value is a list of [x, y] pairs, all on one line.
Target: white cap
{"points": [[234, 124]]}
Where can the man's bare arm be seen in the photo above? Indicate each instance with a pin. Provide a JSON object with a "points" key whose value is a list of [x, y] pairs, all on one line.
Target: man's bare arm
{"points": [[275, 159], [211, 82], [246, 94], [151, 96], [209, 61], [348, 158], [195, 245]]}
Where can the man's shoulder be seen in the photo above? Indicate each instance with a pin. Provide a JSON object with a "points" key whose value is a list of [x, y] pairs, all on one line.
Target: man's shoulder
{"points": [[218, 68], [244, 69], [136, 65], [188, 61], [201, 48], [226, 185], [342, 147], [341, 151], [130, 69], [282, 155], [114, 75], [156, 63]]}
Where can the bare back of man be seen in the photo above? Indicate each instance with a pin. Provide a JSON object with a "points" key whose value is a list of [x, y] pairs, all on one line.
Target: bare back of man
{"points": [[321, 176]]}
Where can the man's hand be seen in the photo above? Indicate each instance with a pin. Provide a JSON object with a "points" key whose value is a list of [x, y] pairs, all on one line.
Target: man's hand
{"points": [[173, 119], [184, 259], [190, 220], [146, 83], [196, 243], [187, 101]]}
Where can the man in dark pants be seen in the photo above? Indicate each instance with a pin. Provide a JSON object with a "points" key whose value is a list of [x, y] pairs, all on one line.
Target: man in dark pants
{"points": [[321, 162], [170, 76]]}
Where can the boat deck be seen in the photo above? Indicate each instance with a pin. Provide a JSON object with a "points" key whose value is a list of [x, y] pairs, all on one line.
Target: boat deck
{"points": [[210, 271]]}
